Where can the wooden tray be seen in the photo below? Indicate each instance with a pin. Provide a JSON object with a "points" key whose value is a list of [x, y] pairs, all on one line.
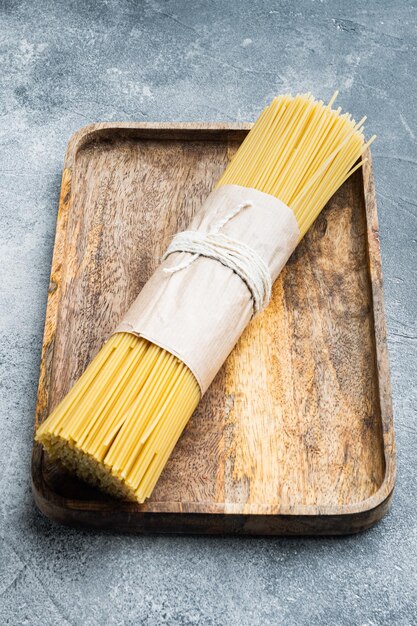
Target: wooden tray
{"points": [[295, 435]]}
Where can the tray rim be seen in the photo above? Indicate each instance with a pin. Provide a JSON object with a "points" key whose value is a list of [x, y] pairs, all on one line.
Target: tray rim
{"points": [[363, 513]]}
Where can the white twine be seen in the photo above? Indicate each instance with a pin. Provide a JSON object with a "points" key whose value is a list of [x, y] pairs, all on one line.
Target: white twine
{"points": [[236, 255]]}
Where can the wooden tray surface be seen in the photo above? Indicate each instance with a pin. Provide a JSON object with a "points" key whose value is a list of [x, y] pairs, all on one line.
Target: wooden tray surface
{"points": [[295, 435]]}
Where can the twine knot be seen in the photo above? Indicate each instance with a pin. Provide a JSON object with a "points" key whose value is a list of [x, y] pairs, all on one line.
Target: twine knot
{"points": [[234, 254]]}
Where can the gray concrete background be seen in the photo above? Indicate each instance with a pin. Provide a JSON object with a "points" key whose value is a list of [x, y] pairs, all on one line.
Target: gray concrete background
{"points": [[65, 64]]}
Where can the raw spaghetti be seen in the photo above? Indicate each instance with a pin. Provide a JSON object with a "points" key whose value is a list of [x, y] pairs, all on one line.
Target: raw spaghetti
{"points": [[118, 425]]}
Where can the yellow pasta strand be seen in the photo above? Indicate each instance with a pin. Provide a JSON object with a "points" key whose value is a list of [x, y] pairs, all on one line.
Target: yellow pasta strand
{"points": [[118, 425]]}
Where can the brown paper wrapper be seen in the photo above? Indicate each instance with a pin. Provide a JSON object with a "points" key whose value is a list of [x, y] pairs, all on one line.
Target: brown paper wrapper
{"points": [[199, 313]]}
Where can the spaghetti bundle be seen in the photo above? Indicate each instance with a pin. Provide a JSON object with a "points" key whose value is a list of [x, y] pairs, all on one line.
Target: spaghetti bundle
{"points": [[118, 425]]}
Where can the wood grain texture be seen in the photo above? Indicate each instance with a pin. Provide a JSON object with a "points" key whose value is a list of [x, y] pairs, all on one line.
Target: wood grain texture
{"points": [[295, 434]]}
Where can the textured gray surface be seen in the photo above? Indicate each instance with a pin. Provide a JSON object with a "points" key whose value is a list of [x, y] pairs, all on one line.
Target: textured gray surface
{"points": [[64, 64]]}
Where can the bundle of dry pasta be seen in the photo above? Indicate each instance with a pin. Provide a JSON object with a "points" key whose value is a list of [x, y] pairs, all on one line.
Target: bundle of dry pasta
{"points": [[119, 423]]}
